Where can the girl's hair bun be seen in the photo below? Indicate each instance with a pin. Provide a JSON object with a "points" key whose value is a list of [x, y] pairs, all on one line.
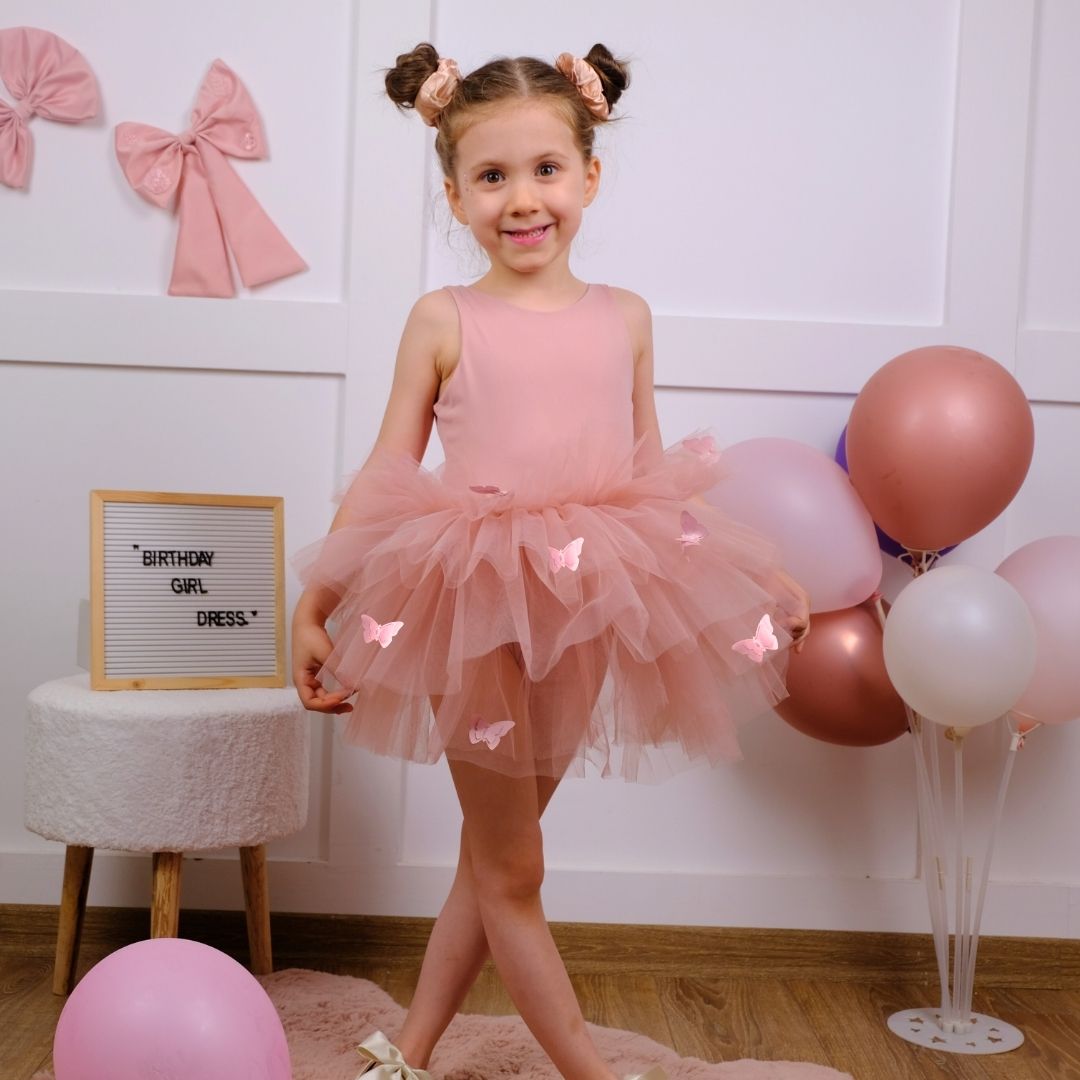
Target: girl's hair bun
{"points": [[614, 74], [404, 79]]}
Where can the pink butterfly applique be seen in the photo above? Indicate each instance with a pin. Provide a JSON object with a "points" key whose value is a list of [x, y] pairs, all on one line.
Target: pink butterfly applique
{"points": [[567, 556], [763, 639], [487, 489], [693, 532], [383, 633], [704, 446], [489, 733]]}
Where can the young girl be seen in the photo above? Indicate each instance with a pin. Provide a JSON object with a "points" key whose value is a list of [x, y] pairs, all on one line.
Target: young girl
{"points": [[557, 591]]}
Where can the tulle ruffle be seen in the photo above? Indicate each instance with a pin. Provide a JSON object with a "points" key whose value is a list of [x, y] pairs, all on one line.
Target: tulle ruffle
{"points": [[625, 662]]}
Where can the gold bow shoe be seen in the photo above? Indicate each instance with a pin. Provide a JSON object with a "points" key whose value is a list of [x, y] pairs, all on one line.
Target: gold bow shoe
{"points": [[384, 1061], [655, 1073]]}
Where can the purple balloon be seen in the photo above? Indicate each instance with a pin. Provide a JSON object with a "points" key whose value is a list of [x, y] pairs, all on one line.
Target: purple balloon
{"points": [[885, 541], [170, 1009]]}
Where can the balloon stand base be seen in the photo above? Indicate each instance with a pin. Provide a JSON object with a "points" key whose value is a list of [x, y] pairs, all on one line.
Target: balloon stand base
{"points": [[927, 1027]]}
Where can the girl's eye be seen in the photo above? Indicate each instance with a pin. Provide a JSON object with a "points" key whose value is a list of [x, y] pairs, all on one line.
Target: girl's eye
{"points": [[492, 176], [548, 169]]}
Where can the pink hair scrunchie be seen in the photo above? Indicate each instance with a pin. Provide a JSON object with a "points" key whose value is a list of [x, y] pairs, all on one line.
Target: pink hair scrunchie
{"points": [[437, 90], [48, 77], [583, 75]]}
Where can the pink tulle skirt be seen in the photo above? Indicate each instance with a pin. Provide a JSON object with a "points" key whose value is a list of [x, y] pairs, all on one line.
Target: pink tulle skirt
{"points": [[625, 662]]}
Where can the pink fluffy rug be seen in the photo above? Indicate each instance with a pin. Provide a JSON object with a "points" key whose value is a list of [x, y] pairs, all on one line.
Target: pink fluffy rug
{"points": [[325, 1016]]}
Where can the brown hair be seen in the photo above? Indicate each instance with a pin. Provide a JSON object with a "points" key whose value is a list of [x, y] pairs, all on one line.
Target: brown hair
{"points": [[502, 80]]}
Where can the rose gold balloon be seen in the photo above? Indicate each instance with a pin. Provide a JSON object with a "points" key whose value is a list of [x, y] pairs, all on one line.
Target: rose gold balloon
{"points": [[939, 441], [840, 691]]}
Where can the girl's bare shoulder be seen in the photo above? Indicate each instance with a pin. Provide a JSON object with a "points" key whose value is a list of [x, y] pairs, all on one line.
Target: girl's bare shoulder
{"points": [[434, 322], [631, 301], [436, 313]]}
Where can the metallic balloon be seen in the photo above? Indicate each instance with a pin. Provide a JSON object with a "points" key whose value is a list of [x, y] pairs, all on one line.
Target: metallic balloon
{"points": [[939, 442], [840, 691]]}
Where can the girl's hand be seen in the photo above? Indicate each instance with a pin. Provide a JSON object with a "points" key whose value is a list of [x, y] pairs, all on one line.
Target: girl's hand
{"points": [[795, 603], [311, 645]]}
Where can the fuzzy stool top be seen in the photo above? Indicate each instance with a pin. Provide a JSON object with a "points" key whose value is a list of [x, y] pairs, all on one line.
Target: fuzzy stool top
{"points": [[165, 770]]}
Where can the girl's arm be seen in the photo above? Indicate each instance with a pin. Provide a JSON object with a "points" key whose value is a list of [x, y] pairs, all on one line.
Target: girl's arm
{"points": [[429, 341]]}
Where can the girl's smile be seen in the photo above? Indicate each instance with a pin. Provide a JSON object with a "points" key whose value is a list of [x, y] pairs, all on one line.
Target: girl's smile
{"points": [[529, 237]]}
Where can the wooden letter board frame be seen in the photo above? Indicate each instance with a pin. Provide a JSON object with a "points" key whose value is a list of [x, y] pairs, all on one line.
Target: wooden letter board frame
{"points": [[185, 576]]}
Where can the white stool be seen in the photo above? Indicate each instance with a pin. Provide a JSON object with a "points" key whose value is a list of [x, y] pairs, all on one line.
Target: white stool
{"points": [[164, 771]]}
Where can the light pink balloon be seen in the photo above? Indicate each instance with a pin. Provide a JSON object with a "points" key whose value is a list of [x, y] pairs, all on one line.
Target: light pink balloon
{"points": [[173, 1009], [802, 500], [1046, 573]]}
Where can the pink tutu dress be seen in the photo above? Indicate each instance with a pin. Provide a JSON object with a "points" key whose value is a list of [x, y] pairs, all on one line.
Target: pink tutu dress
{"points": [[544, 573]]}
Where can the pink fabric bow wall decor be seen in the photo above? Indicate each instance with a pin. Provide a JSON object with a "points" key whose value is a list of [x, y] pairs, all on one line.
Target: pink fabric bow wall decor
{"points": [[46, 77], [213, 202]]}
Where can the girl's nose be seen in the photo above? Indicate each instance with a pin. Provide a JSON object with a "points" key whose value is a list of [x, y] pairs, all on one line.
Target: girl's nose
{"points": [[522, 198]]}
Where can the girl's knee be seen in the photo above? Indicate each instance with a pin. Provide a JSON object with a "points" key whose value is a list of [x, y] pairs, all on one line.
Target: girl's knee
{"points": [[511, 870], [501, 842]]}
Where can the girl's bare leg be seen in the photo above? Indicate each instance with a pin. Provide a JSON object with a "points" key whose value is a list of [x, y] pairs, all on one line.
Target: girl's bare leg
{"points": [[502, 826], [456, 952], [458, 946]]}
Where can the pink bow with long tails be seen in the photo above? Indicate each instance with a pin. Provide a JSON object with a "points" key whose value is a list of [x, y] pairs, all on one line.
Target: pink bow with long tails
{"points": [[214, 204], [46, 77]]}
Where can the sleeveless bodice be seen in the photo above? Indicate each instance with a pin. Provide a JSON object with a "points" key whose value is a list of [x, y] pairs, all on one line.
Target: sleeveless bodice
{"points": [[539, 400]]}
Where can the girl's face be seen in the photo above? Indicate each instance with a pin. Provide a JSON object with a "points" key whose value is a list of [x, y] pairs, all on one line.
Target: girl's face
{"points": [[521, 184]]}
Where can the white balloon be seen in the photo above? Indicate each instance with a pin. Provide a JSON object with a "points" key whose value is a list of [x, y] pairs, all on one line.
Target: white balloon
{"points": [[960, 645]]}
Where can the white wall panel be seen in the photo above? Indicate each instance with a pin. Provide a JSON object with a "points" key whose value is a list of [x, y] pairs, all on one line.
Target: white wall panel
{"points": [[81, 228], [1052, 285], [172, 331], [1049, 502], [1049, 340]]}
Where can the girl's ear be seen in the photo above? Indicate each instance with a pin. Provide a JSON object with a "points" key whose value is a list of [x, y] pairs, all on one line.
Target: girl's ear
{"points": [[453, 197], [592, 180]]}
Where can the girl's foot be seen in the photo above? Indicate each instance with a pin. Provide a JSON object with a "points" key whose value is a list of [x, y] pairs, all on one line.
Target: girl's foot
{"points": [[383, 1061]]}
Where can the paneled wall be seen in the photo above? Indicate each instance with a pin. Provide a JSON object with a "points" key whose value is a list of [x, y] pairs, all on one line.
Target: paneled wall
{"points": [[801, 191]]}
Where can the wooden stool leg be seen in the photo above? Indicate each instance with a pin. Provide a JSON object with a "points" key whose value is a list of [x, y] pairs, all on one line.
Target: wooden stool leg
{"points": [[77, 864], [165, 909], [257, 907]]}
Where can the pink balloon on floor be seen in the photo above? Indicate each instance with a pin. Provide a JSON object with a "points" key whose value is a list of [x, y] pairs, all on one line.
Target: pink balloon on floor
{"points": [[803, 501], [1046, 573], [170, 1009]]}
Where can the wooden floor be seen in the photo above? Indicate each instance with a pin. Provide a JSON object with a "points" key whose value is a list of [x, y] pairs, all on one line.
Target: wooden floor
{"points": [[773, 1012]]}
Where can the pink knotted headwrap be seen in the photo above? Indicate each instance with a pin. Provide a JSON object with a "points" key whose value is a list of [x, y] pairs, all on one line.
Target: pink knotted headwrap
{"points": [[583, 75], [47, 77], [212, 197]]}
